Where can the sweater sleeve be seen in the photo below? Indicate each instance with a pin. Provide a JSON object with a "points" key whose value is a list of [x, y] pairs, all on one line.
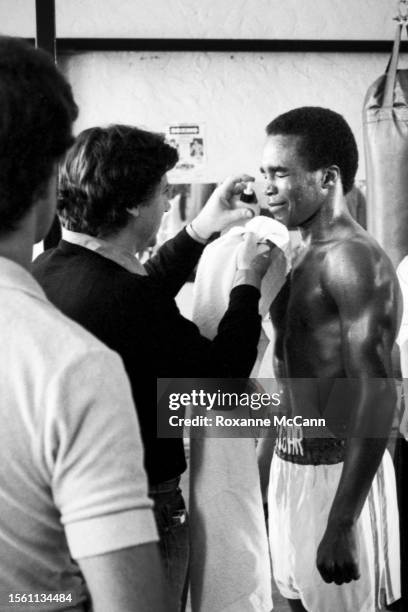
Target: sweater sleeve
{"points": [[233, 351], [235, 344], [174, 262]]}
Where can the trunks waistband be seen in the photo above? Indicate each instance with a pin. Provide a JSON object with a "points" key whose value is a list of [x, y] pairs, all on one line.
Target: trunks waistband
{"points": [[292, 446]]}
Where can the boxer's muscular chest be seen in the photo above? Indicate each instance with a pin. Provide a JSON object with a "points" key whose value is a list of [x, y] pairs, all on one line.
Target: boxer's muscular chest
{"points": [[306, 321]]}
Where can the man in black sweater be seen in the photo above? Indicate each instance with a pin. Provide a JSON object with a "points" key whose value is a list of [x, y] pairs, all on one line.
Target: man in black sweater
{"points": [[113, 193]]}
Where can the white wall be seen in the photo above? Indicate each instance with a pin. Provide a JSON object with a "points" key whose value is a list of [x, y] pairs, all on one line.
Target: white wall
{"points": [[17, 18], [236, 95], [337, 19], [226, 18]]}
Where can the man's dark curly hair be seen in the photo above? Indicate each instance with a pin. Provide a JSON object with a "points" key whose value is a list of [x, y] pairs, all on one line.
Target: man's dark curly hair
{"points": [[36, 114], [107, 171], [326, 139]]}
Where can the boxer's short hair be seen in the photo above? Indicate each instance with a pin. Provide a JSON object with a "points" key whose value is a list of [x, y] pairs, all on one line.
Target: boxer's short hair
{"points": [[325, 139]]}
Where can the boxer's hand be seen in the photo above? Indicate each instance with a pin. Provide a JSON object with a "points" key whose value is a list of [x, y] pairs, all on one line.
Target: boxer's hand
{"points": [[253, 260], [220, 211], [338, 555]]}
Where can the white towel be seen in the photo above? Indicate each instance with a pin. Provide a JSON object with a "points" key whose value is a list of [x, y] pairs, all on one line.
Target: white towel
{"points": [[215, 276], [402, 340], [402, 273], [230, 566]]}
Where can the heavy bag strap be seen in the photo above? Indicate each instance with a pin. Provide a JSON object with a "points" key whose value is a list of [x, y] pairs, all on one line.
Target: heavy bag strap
{"points": [[391, 71]]}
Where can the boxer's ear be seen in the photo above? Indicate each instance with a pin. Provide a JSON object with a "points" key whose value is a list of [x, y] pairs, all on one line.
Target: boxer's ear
{"points": [[330, 177]]}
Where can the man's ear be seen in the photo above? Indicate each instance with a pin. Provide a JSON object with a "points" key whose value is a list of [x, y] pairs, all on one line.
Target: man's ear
{"points": [[135, 212], [330, 177]]}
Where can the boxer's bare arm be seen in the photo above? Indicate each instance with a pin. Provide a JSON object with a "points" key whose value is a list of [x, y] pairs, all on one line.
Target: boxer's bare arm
{"points": [[363, 288], [264, 453]]}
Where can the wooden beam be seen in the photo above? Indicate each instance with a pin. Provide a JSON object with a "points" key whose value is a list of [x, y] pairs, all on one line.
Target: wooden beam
{"points": [[77, 45], [45, 26], [67, 46], [45, 39]]}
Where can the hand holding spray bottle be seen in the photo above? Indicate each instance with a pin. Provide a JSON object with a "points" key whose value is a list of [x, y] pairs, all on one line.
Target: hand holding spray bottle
{"points": [[249, 200]]}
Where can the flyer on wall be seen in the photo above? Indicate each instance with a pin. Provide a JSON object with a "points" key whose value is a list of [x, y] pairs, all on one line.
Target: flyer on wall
{"points": [[190, 141]]}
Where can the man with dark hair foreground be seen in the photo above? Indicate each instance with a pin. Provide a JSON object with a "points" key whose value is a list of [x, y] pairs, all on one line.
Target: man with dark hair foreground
{"points": [[332, 504], [75, 519], [113, 193]]}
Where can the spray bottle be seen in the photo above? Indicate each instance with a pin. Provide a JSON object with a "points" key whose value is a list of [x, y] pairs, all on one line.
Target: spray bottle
{"points": [[249, 200]]}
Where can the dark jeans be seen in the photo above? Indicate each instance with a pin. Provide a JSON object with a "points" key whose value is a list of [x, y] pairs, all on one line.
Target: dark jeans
{"points": [[173, 527]]}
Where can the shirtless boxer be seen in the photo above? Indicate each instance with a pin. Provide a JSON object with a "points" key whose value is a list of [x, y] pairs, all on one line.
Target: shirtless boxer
{"points": [[331, 500]]}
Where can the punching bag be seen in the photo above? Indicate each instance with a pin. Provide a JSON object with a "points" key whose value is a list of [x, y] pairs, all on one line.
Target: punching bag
{"points": [[385, 124]]}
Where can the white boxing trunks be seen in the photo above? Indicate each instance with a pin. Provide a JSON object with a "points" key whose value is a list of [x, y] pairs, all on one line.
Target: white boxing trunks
{"points": [[300, 498]]}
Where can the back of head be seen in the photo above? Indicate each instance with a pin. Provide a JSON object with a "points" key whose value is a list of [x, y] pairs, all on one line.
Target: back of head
{"points": [[108, 171], [326, 139], [36, 114]]}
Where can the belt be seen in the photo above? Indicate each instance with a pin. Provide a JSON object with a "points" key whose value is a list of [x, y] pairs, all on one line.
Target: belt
{"points": [[311, 451], [167, 486]]}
